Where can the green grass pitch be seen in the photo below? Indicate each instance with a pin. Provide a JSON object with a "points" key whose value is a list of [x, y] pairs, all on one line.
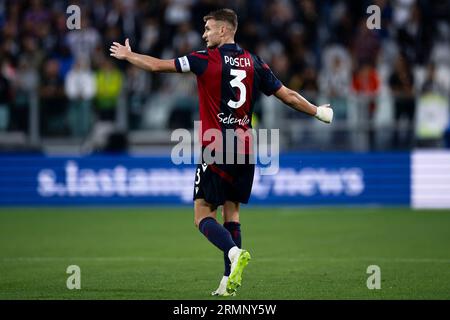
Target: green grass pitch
{"points": [[156, 253]]}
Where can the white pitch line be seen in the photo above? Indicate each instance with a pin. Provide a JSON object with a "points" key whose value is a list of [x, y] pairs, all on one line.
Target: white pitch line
{"points": [[172, 259]]}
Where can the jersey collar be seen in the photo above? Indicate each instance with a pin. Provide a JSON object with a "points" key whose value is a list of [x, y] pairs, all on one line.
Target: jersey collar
{"points": [[231, 46]]}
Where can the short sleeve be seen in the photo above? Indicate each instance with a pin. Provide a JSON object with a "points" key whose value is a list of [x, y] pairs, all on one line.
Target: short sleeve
{"points": [[195, 62], [268, 82]]}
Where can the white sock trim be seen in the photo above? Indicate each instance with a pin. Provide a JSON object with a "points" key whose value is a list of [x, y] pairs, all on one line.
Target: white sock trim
{"points": [[233, 251]]}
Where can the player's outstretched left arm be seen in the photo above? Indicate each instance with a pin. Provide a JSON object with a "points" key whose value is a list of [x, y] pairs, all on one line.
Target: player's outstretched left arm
{"points": [[123, 52], [296, 101]]}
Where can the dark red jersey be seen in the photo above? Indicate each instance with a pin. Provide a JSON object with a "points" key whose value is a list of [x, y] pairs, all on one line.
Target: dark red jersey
{"points": [[228, 79]]}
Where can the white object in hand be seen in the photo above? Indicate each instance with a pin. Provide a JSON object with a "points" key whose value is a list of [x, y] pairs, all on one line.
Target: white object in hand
{"points": [[324, 114]]}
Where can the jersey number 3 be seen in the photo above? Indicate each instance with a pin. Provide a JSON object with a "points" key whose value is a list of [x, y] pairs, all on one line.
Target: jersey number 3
{"points": [[239, 75]]}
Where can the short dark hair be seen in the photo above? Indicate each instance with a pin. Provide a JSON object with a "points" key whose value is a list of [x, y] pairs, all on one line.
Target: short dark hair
{"points": [[226, 15]]}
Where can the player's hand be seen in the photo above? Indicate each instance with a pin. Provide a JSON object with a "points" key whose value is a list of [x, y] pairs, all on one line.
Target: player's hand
{"points": [[324, 113], [119, 51]]}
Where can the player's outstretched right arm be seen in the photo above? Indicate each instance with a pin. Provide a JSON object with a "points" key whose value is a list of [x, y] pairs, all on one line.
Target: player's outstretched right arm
{"points": [[123, 52], [296, 101]]}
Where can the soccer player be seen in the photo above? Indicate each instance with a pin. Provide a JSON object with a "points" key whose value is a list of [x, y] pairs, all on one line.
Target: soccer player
{"points": [[227, 78]]}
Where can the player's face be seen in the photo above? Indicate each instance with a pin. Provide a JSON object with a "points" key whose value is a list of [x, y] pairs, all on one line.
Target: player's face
{"points": [[213, 33]]}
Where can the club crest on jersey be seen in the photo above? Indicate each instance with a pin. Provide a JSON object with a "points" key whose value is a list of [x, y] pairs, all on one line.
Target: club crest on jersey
{"points": [[237, 62]]}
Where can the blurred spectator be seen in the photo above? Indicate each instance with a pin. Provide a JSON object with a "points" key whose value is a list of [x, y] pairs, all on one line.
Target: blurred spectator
{"points": [[9, 35], [109, 85], [366, 81], [366, 84], [335, 79], [182, 98], [432, 111], [26, 84], [137, 86], [306, 82], [123, 15], [414, 36], [402, 12], [432, 83], [250, 35], [80, 88], [299, 56], [178, 11], [186, 39], [36, 15], [112, 34], [366, 45], [65, 60], [386, 18], [309, 18], [280, 14], [280, 65], [150, 35], [440, 59], [402, 86], [31, 52], [5, 93], [83, 42], [99, 12], [53, 101], [340, 21]]}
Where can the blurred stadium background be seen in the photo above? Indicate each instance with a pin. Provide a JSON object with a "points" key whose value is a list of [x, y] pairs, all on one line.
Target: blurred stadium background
{"points": [[78, 128], [377, 80]]}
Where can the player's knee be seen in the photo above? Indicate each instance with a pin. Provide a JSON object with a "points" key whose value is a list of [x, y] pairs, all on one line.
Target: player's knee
{"points": [[231, 211], [198, 220]]}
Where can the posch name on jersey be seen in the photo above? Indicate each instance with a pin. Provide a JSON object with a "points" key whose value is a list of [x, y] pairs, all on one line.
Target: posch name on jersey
{"points": [[237, 62]]}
